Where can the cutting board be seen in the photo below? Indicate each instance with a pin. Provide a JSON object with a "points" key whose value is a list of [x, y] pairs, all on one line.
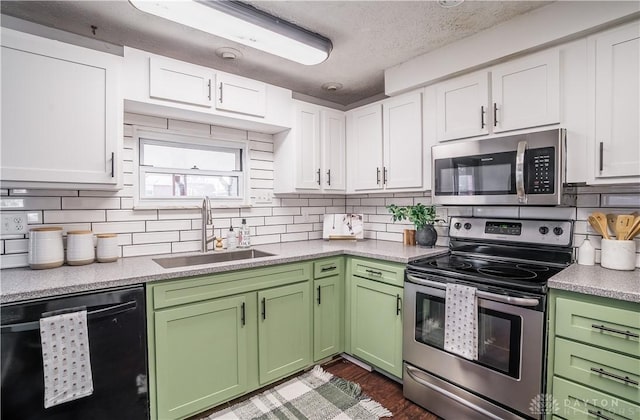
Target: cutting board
{"points": [[343, 226]]}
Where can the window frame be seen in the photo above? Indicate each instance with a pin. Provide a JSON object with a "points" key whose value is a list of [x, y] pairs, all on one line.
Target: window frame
{"points": [[144, 135]]}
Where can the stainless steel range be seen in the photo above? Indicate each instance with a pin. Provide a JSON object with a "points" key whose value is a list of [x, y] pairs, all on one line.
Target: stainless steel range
{"points": [[508, 262]]}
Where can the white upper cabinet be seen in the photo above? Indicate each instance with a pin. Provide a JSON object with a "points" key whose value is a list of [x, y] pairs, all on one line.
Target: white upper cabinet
{"points": [[463, 106], [177, 81], [61, 115], [402, 123], [526, 92], [385, 145], [311, 156], [238, 94], [364, 143], [523, 93], [614, 68]]}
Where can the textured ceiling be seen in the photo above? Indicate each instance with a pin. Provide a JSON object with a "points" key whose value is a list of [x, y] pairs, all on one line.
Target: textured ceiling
{"points": [[367, 36]]}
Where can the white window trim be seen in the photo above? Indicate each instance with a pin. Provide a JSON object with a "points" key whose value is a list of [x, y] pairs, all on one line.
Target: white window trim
{"points": [[187, 138]]}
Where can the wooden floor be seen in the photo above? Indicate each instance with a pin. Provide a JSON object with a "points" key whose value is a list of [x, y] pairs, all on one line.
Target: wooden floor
{"points": [[375, 385], [380, 388]]}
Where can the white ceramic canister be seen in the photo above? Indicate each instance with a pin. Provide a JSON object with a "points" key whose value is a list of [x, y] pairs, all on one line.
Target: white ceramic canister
{"points": [[618, 255], [107, 249], [80, 250], [45, 248]]}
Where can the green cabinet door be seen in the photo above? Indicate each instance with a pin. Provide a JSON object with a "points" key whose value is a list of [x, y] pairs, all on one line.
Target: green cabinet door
{"points": [[284, 331], [327, 318], [376, 324], [201, 355]]}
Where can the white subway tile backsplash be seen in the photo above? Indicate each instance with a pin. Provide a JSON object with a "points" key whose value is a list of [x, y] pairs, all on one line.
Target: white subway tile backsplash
{"points": [[190, 235], [155, 237], [88, 203], [127, 215], [372, 202], [588, 200], [124, 239], [458, 211], [398, 201], [620, 200], [148, 249], [265, 239], [19, 203], [16, 246], [311, 218], [126, 191], [270, 230], [300, 228], [42, 193], [74, 216], [191, 246], [14, 260], [161, 225], [317, 234], [295, 202], [317, 202], [181, 214], [118, 227], [489, 211], [291, 237], [278, 220], [286, 211], [555, 213], [389, 236]]}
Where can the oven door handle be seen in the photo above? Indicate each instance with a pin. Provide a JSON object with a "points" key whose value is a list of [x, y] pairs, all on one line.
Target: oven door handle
{"points": [[529, 302], [520, 191], [411, 372]]}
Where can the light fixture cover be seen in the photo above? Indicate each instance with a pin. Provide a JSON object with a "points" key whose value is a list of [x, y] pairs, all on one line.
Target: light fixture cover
{"points": [[244, 24]]}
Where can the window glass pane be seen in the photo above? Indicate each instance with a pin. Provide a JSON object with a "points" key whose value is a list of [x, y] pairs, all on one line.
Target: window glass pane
{"points": [[191, 157], [161, 185]]}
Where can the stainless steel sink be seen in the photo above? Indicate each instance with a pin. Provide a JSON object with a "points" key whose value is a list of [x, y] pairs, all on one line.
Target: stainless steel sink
{"points": [[245, 254]]}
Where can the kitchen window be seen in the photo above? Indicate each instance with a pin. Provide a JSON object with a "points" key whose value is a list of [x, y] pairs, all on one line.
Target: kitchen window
{"points": [[177, 170]]}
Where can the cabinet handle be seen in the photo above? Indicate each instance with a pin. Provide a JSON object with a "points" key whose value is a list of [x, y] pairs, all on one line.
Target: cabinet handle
{"points": [[384, 176], [113, 164], [398, 304], [598, 414], [482, 112], [209, 86], [264, 308], [601, 154], [329, 177], [377, 273], [318, 173], [242, 314], [319, 295], [625, 379], [220, 99], [330, 268], [602, 328], [378, 176], [495, 114]]}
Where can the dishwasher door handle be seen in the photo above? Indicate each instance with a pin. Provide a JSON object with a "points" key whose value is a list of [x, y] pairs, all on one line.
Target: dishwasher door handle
{"points": [[91, 316]]}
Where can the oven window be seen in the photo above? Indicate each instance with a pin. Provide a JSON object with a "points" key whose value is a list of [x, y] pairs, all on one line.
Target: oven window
{"points": [[499, 341], [430, 320], [499, 334]]}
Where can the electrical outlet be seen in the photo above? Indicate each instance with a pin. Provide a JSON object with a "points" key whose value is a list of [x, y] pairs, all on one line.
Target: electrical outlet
{"points": [[14, 223], [263, 197]]}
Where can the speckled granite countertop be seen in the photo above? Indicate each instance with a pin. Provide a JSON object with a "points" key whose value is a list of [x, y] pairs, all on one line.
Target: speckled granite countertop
{"points": [[23, 283], [598, 281]]}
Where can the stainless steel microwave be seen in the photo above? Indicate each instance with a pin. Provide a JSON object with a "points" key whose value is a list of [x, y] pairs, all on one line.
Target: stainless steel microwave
{"points": [[521, 169]]}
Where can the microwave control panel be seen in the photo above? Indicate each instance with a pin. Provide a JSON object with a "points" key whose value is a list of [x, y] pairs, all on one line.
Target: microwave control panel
{"points": [[541, 170]]}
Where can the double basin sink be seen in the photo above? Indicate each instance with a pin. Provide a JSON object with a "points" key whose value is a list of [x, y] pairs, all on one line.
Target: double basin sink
{"points": [[212, 258]]}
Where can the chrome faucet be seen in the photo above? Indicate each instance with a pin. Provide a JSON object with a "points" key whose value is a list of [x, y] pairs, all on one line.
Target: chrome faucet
{"points": [[207, 220]]}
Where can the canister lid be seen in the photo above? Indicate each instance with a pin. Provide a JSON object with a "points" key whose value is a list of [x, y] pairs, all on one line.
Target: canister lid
{"points": [[46, 229], [106, 235], [79, 232]]}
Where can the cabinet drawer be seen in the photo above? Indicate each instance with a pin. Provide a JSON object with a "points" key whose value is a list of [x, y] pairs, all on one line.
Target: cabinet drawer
{"points": [[326, 268], [575, 361], [579, 402], [387, 273], [196, 289], [612, 328]]}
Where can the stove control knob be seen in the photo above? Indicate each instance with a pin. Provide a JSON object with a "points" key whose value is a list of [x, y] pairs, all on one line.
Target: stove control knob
{"points": [[543, 230], [467, 226], [457, 225], [558, 231]]}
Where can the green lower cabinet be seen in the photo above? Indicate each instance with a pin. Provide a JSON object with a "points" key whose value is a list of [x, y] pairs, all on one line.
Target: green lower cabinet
{"points": [[200, 355], [284, 331], [376, 324], [327, 317]]}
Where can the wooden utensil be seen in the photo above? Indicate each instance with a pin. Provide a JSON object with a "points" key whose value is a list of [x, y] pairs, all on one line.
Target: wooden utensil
{"points": [[611, 222], [635, 228], [600, 228], [623, 225], [602, 222]]}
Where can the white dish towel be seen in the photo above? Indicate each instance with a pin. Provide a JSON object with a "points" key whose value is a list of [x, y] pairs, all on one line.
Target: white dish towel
{"points": [[65, 357], [461, 321]]}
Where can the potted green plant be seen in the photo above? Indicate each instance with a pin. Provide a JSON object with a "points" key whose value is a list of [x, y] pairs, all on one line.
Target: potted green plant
{"points": [[423, 217]]}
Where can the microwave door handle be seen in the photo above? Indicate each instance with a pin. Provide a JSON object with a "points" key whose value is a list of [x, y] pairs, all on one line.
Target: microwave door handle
{"points": [[520, 191]]}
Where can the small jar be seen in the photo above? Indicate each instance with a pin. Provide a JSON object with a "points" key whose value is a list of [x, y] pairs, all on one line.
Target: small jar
{"points": [[80, 250], [107, 249], [45, 248]]}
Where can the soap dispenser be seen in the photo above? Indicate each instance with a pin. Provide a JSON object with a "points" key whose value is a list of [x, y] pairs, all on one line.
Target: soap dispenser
{"points": [[232, 239], [586, 253]]}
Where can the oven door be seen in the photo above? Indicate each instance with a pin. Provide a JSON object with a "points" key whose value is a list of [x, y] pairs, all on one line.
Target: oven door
{"points": [[510, 345]]}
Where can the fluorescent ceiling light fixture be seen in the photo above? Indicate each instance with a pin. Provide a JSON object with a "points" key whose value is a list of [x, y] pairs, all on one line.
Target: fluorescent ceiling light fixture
{"points": [[243, 24]]}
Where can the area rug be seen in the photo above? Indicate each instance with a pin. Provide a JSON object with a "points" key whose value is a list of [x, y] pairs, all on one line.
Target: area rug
{"points": [[315, 395]]}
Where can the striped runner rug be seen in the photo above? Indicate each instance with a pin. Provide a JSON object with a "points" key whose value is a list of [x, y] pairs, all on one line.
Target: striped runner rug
{"points": [[314, 395]]}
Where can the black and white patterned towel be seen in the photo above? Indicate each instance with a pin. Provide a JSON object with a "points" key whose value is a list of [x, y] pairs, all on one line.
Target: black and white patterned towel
{"points": [[461, 321], [65, 356]]}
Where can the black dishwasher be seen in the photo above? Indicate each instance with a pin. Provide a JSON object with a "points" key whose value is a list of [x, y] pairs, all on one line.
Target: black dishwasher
{"points": [[116, 331]]}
